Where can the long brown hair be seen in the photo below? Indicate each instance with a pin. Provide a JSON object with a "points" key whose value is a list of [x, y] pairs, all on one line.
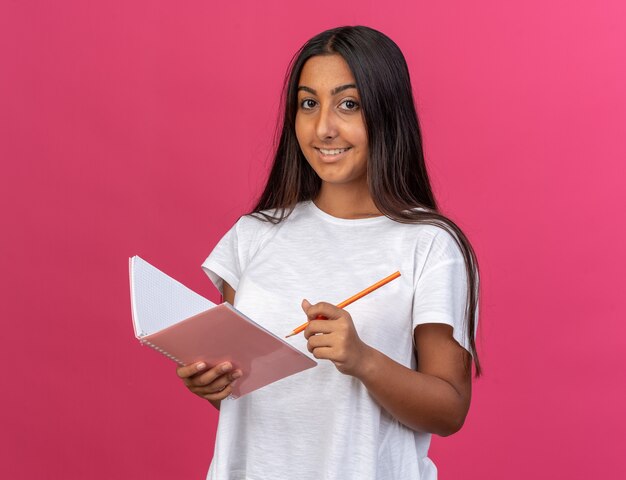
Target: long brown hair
{"points": [[396, 171]]}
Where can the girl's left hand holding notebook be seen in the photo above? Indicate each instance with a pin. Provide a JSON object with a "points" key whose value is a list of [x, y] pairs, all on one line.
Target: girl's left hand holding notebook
{"points": [[212, 384]]}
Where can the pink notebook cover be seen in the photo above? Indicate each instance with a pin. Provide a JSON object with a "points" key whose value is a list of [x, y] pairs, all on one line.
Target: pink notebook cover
{"points": [[221, 334]]}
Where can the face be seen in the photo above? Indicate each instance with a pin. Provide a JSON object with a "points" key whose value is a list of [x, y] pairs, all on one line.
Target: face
{"points": [[329, 123]]}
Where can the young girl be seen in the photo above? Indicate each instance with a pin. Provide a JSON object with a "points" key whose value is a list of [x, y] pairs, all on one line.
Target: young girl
{"points": [[348, 202]]}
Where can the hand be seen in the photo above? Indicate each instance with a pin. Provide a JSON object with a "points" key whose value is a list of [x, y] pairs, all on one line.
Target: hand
{"points": [[334, 339], [214, 384]]}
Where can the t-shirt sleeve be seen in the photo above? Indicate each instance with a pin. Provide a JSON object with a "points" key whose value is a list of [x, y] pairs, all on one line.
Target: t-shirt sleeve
{"points": [[224, 264], [441, 287]]}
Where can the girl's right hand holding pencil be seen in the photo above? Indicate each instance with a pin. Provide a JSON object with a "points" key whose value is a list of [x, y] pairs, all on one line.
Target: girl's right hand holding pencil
{"points": [[212, 384], [335, 338]]}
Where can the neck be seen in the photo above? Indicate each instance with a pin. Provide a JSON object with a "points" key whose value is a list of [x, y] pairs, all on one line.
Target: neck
{"points": [[346, 201]]}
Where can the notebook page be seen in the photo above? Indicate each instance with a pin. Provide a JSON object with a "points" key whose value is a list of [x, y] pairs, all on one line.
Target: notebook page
{"points": [[158, 300]]}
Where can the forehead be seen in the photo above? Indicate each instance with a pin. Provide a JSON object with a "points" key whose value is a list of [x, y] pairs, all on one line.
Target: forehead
{"points": [[325, 72]]}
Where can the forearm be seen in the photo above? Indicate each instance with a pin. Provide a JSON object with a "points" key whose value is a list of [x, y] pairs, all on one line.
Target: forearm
{"points": [[420, 401]]}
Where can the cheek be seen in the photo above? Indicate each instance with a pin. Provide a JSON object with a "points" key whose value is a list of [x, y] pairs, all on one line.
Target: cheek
{"points": [[359, 139], [300, 130], [358, 133]]}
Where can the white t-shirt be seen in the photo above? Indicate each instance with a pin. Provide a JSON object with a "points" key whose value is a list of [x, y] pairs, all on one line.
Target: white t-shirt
{"points": [[320, 423]]}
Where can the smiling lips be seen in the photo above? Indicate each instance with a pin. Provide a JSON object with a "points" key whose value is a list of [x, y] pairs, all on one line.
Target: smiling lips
{"points": [[329, 152]]}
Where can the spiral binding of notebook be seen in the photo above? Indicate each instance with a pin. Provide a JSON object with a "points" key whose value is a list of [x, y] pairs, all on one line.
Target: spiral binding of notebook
{"points": [[160, 350]]}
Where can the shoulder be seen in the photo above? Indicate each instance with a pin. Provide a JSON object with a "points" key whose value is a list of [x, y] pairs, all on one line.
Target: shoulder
{"points": [[255, 229], [257, 223], [442, 242], [428, 239], [427, 247]]}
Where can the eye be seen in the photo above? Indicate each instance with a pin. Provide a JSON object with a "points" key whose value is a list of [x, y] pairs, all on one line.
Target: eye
{"points": [[349, 105], [308, 104]]}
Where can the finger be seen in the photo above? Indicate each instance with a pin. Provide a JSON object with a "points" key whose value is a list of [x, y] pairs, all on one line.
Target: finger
{"points": [[218, 385], [215, 387], [305, 307], [317, 341], [191, 369], [219, 395], [322, 353], [319, 326], [210, 375], [323, 309]]}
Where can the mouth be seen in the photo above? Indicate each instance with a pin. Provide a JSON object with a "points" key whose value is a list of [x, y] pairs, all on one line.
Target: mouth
{"points": [[332, 152]]}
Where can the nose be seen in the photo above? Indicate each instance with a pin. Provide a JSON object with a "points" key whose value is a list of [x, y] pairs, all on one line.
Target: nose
{"points": [[326, 127]]}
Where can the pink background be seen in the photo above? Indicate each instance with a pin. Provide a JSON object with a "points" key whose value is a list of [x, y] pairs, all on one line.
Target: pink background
{"points": [[144, 127]]}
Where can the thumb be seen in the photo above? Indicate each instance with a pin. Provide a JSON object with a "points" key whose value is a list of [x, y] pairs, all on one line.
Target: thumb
{"points": [[305, 305]]}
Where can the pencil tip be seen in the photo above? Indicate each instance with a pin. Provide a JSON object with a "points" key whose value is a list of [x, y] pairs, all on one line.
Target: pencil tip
{"points": [[290, 335]]}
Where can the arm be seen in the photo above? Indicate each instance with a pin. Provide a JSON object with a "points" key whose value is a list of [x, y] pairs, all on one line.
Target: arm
{"points": [[212, 384], [435, 398]]}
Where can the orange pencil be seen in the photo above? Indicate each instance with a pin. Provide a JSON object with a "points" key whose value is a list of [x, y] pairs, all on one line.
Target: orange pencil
{"points": [[353, 298]]}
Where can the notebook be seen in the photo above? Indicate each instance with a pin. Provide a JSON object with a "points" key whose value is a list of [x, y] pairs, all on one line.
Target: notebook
{"points": [[187, 328]]}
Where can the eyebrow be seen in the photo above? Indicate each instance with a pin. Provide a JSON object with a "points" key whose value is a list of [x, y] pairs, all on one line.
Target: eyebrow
{"points": [[334, 91]]}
